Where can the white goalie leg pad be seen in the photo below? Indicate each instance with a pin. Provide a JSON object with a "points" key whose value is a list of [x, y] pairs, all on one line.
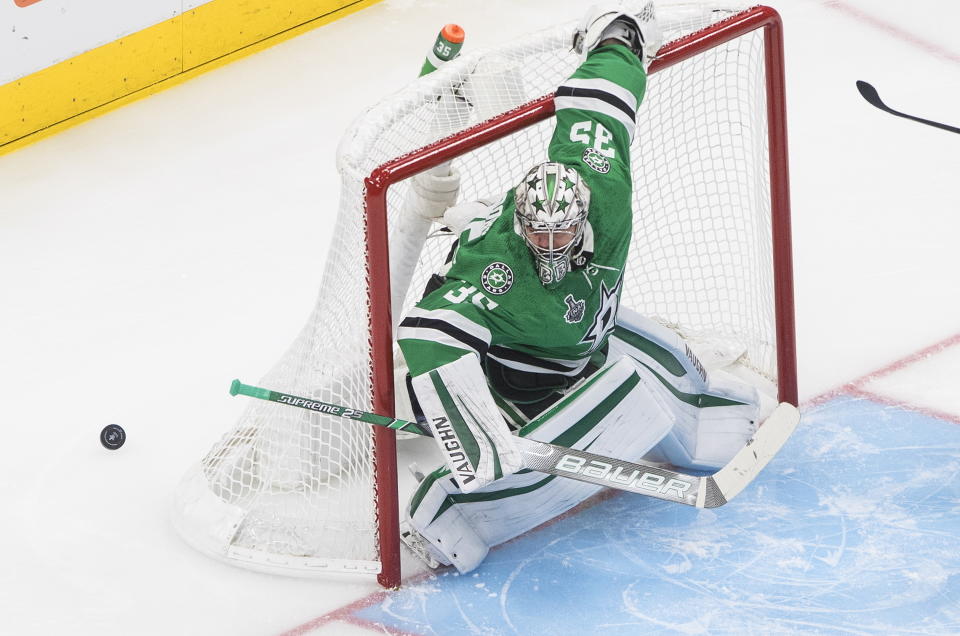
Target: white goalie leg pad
{"points": [[467, 426], [707, 437], [622, 411], [717, 413], [440, 521]]}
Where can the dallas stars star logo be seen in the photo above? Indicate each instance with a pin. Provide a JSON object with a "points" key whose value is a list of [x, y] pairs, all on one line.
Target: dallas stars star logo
{"points": [[605, 318]]}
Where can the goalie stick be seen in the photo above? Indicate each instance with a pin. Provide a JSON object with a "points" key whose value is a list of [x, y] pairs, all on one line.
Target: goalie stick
{"points": [[640, 477], [870, 94]]}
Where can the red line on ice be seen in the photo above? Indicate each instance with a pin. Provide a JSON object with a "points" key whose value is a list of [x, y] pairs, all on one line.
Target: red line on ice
{"points": [[345, 614], [894, 30], [856, 386], [888, 401]]}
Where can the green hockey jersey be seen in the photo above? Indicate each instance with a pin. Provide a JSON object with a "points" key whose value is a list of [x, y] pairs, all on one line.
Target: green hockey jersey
{"points": [[492, 302]]}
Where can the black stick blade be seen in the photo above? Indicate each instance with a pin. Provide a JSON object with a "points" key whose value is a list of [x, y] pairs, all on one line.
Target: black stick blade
{"points": [[870, 94]]}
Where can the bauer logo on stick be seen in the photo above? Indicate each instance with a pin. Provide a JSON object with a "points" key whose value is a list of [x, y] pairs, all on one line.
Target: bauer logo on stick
{"points": [[635, 480]]}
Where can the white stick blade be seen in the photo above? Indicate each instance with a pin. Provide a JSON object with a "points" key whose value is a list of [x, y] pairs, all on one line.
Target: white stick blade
{"points": [[767, 442]]}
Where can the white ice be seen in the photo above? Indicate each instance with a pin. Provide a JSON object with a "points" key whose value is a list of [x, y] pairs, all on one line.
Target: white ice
{"points": [[151, 255]]}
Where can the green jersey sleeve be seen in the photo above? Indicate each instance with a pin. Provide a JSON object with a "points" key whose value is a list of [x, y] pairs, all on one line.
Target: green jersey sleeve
{"points": [[597, 111]]}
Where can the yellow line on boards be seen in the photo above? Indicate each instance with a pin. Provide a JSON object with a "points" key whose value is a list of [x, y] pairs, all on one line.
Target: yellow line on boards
{"points": [[151, 60]]}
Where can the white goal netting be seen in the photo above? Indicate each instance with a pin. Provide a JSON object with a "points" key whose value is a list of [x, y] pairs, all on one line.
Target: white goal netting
{"points": [[293, 491]]}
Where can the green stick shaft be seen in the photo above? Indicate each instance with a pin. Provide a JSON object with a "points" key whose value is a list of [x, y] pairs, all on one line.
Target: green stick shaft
{"points": [[238, 387]]}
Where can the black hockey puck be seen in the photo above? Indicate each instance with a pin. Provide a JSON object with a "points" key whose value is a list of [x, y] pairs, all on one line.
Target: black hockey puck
{"points": [[112, 436]]}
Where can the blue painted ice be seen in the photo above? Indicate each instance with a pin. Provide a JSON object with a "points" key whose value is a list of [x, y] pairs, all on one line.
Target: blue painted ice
{"points": [[854, 528]]}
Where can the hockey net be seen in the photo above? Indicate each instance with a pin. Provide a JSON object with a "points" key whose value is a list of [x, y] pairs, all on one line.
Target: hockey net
{"points": [[291, 491]]}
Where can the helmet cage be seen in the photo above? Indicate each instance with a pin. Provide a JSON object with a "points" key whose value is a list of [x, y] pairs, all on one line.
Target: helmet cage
{"points": [[551, 213]]}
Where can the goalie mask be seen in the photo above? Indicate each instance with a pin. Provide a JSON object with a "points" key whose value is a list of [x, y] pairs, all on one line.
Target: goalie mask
{"points": [[551, 216]]}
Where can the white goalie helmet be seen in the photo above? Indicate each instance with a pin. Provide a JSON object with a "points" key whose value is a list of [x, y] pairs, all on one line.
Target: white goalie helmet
{"points": [[635, 27], [551, 215]]}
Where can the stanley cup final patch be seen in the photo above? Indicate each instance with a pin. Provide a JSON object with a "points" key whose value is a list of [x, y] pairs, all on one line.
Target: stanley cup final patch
{"points": [[497, 278], [575, 309]]}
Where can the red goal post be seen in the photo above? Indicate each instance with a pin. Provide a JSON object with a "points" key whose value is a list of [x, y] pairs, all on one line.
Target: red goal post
{"points": [[404, 167]]}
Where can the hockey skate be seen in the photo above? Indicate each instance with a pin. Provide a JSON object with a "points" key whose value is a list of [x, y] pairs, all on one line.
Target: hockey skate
{"points": [[420, 546]]}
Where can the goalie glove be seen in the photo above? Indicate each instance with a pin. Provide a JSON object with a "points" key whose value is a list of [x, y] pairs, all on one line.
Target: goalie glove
{"points": [[475, 441], [435, 192], [640, 33], [459, 216]]}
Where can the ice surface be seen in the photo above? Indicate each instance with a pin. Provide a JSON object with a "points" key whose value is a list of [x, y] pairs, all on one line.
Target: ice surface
{"points": [[853, 528]]}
